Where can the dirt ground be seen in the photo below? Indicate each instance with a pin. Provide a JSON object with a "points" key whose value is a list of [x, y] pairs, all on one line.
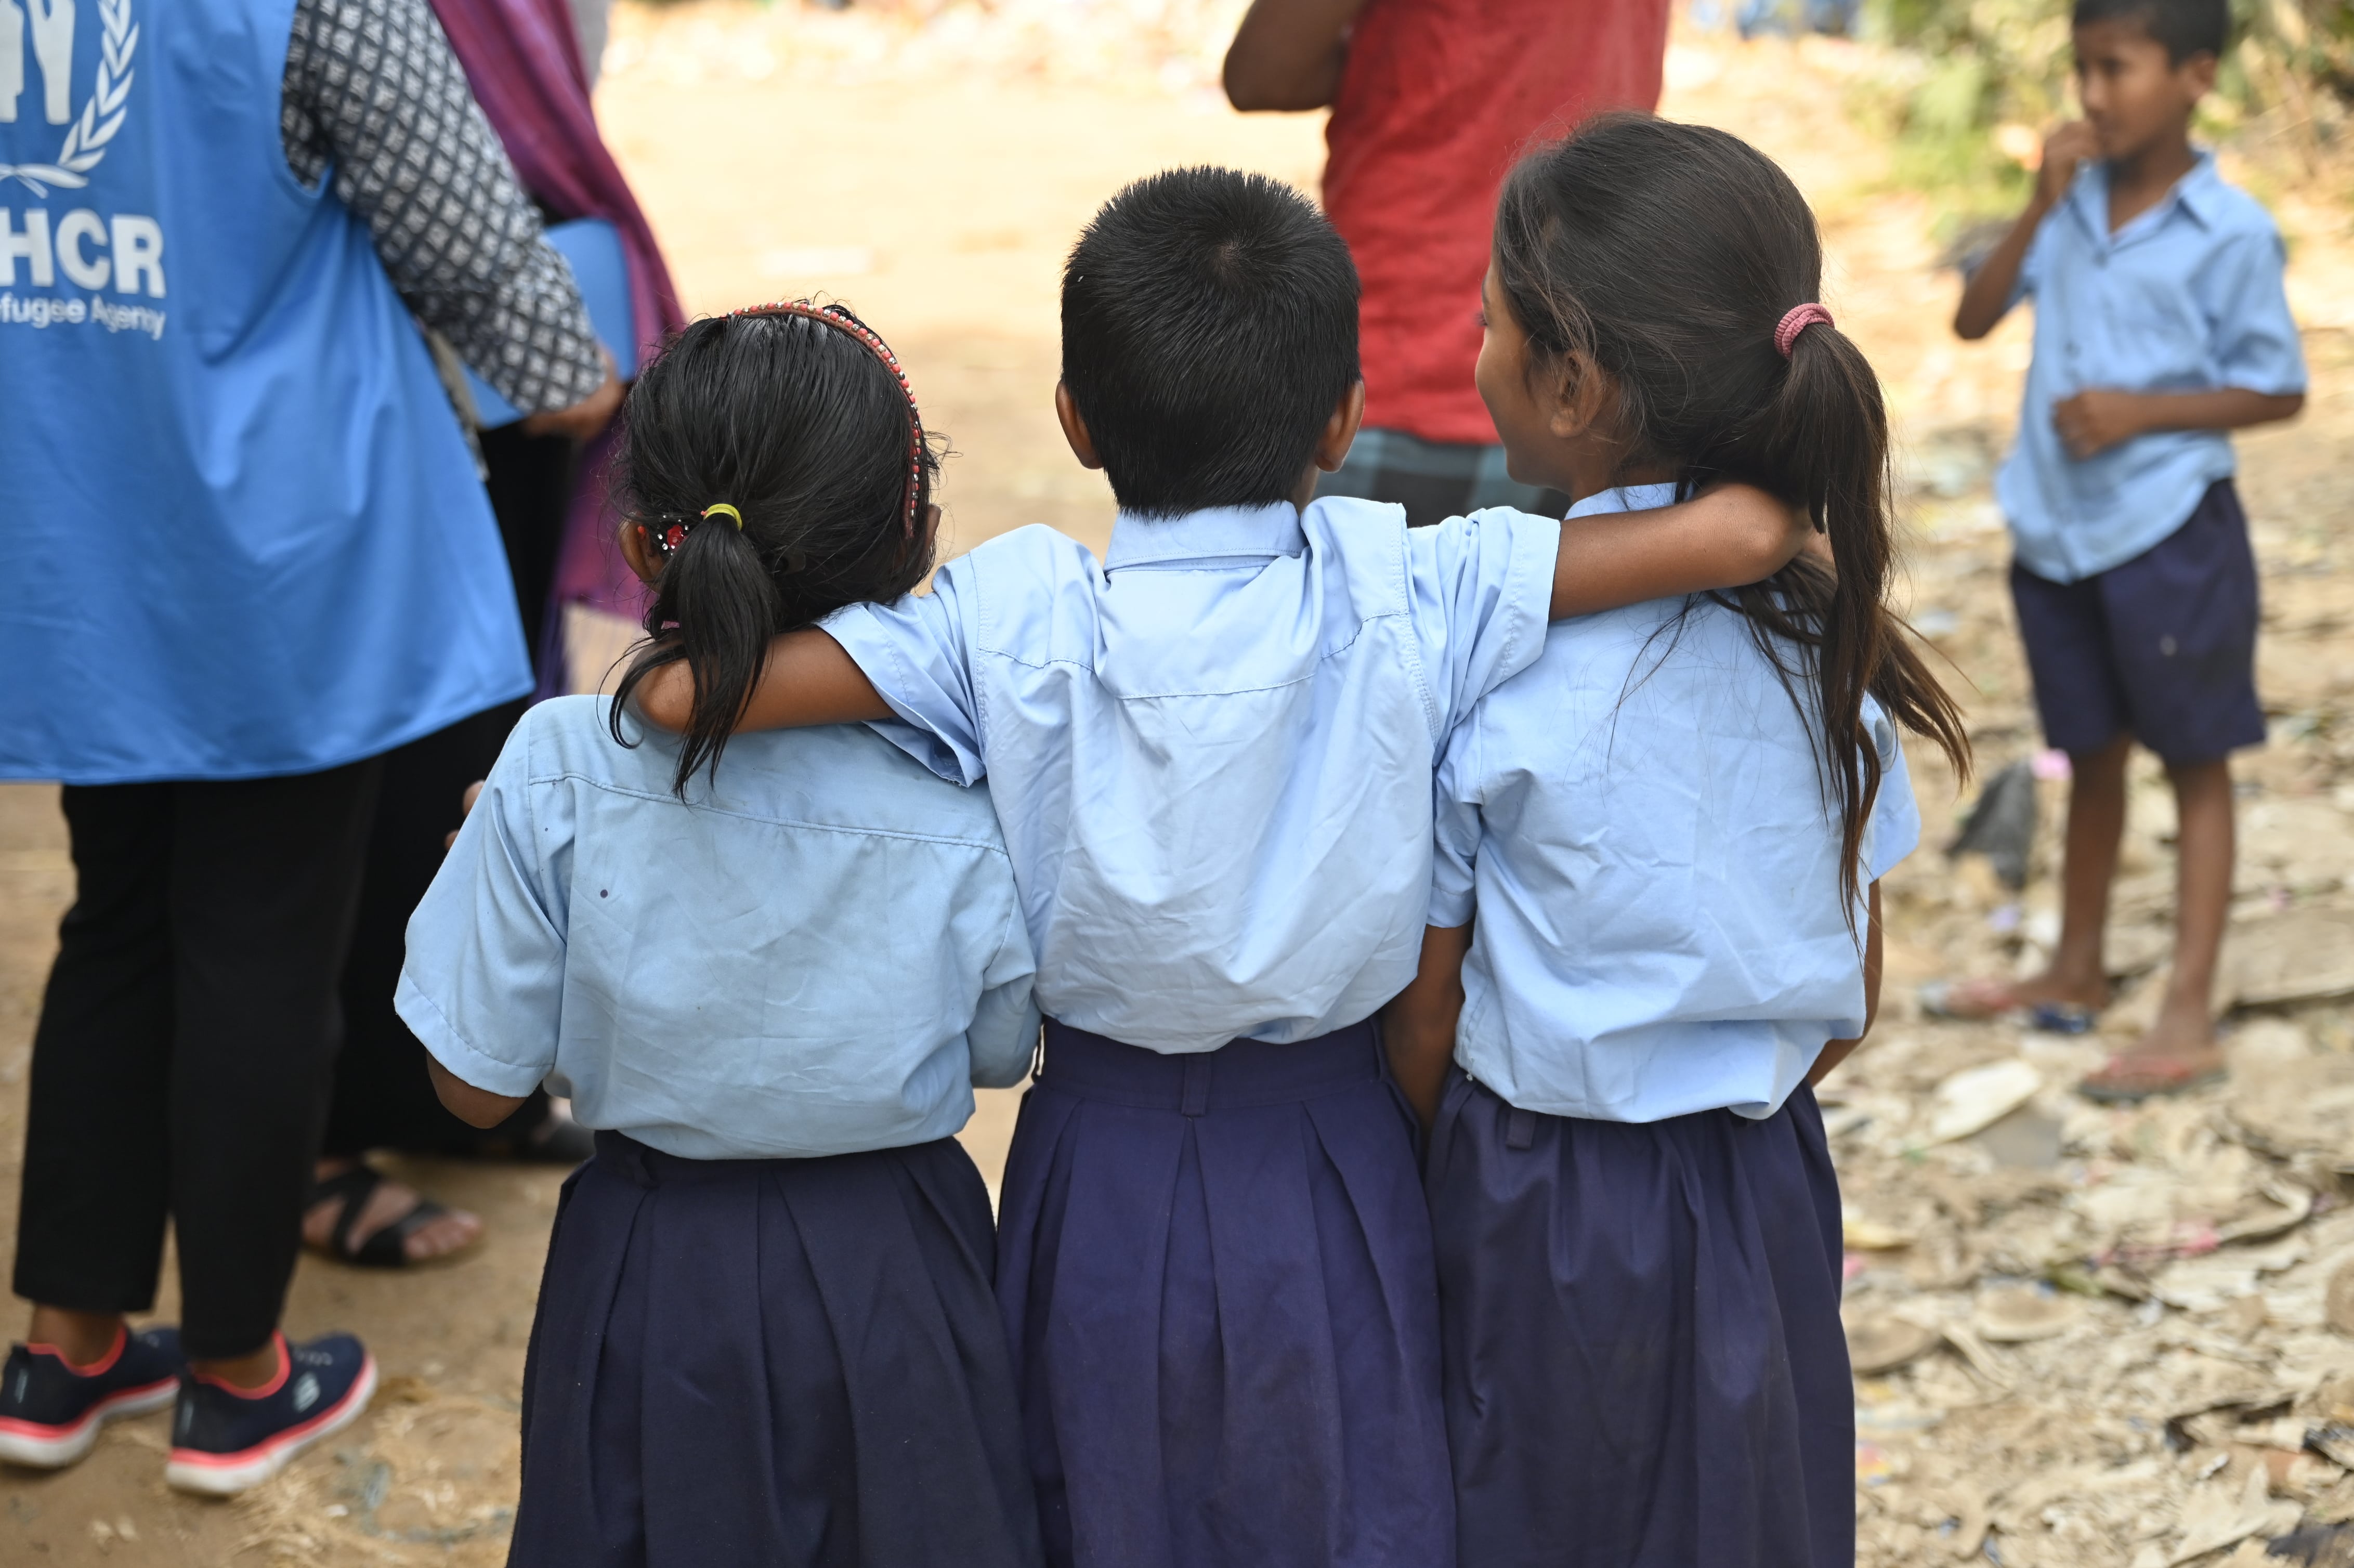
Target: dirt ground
{"points": [[2105, 1331]]}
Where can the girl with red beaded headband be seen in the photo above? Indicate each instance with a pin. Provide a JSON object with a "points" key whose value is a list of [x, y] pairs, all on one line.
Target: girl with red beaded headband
{"points": [[775, 468]]}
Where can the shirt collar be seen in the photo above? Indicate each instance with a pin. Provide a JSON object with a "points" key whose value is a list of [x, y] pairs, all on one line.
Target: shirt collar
{"points": [[2194, 193], [1216, 533], [1625, 498]]}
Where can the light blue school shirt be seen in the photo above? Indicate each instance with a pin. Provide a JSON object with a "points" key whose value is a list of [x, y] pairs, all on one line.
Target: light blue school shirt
{"points": [[1212, 754], [820, 955], [2186, 298], [1639, 825]]}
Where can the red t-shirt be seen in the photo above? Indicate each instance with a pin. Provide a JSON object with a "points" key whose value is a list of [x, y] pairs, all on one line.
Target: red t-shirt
{"points": [[1436, 100]]}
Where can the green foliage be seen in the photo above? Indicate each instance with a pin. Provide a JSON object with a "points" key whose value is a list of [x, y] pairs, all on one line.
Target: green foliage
{"points": [[1974, 84]]}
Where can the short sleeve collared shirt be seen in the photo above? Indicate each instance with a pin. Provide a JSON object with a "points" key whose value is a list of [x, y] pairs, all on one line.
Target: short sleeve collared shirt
{"points": [[1640, 824], [1212, 753], [816, 952], [2188, 297]]}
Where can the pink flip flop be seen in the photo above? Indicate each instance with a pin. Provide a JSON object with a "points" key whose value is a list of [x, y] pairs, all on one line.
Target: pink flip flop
{"points": [[2122, 1083]]}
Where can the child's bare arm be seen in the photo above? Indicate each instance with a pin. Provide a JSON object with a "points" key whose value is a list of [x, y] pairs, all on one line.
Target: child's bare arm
{"points": [[2098, 418], [1418, 1025], [1985, 297], [1838, 1051], [475, 1107], [809, 680], [1288, 54], [1725, 537]]}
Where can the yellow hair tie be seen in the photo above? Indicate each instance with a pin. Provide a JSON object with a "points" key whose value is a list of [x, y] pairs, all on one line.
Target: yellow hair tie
{"points": [[731, 511]]}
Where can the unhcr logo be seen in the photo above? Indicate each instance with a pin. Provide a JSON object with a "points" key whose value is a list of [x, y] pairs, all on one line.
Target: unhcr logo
{"points": [[51, 28]]}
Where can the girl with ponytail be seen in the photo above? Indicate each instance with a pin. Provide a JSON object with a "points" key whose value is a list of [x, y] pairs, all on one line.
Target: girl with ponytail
{"points": [[767, 1332], [1671, 829]]}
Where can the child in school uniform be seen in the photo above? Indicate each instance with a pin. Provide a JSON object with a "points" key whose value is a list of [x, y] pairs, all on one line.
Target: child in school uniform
{"points": [[765, 1336], [2161, 327], [1656, 895], [1210, 754]]}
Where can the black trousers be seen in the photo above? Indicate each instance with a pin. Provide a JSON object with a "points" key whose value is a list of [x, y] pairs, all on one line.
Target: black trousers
{"points": [[382, 1098], [185, 1043]]}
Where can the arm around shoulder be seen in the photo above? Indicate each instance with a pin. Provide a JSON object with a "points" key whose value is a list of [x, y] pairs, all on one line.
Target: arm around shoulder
{"points": [[1727, 537], [808, 679]]}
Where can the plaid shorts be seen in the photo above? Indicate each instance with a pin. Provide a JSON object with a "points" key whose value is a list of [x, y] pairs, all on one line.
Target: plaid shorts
{"points": [[1434, 480]]}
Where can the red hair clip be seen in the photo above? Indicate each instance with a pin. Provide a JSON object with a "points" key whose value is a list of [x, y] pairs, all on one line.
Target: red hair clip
{"points": [[841, 320]]}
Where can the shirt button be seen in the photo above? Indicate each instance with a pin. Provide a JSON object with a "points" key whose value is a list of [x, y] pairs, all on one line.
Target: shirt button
{"points": [[2166, 645]]}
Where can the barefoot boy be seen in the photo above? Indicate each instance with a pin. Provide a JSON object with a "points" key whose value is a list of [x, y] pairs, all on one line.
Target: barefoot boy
{"points": [[2160, 324]]}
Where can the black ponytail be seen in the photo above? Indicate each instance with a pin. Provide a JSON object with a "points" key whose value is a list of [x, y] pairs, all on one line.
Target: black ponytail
{"points": [[1667, 256], [798, 427]]}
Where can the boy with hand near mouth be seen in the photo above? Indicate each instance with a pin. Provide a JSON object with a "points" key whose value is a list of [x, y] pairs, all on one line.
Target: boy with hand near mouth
{"points": [[2160, 325]]}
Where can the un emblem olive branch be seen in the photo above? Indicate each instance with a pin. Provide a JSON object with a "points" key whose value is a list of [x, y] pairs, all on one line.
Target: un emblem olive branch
{"points": [[101, 117]]}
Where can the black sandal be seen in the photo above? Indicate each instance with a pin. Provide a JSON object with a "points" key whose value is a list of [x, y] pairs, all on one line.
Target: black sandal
{"points": [[388, 1248]]}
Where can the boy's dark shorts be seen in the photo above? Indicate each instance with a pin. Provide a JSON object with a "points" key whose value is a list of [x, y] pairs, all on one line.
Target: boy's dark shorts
{"points": [[2162, 648]]}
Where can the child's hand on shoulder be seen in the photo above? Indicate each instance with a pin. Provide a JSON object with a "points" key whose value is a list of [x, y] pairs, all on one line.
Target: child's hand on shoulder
{"points": [[2063, 151], [2095, 420]]}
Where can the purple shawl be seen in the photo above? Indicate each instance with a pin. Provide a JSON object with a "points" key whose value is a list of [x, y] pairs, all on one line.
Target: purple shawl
{"points": [[523, 60]]}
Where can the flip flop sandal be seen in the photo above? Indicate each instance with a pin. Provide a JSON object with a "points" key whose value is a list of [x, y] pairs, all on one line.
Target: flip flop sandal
{"points": [[2063, 1018], [388, 1248], [2148, 1088], [1967, 1002]]}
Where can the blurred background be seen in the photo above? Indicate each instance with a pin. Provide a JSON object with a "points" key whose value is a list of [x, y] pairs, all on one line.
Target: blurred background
{"points": [[2084, 1336]]}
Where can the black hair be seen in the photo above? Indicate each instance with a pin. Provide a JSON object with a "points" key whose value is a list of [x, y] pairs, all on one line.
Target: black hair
{"points": [[1209, 330], [799, 427], [2186, 27], [1666, 255]]}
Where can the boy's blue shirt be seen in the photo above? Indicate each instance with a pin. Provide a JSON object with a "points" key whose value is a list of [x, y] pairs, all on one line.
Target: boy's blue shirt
{"points": [[1212, 754], [1640, 824], [2188, 297], [818, 953]]}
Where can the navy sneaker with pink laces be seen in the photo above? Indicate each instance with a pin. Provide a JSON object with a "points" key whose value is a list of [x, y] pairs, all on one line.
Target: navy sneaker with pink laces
{"points": [[51, 1410], [226, 1439]]}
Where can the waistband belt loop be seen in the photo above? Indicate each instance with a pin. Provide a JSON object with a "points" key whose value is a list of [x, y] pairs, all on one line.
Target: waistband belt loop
{"points": [[1196, 1096], [627, 1157], [1520, 1127]]}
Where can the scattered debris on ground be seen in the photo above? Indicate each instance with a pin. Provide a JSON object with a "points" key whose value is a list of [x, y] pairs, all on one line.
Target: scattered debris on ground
{"points": [[2084, 1335]]}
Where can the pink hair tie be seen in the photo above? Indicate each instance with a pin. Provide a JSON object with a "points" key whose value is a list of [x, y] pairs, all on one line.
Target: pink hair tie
{"points": [[1797, 320]]}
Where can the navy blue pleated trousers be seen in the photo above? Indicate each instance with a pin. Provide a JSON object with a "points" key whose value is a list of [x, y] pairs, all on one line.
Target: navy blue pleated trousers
{"points": [[1217, 1274], [1644, 1361], [771, 1363]]}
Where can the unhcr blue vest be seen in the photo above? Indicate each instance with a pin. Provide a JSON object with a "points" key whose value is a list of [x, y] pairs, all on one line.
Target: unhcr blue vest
{"points": [[244, 534]]}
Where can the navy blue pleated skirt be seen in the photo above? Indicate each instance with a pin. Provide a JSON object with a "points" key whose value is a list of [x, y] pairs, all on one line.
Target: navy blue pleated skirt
{"points": [[771, 1363], [1645, 1367], [1216, 1274]]}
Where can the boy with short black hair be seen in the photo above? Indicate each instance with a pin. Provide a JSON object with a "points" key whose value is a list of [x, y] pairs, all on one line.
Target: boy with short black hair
{"points": [[1209, 332], [2160, 324], [1211, 757]]}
